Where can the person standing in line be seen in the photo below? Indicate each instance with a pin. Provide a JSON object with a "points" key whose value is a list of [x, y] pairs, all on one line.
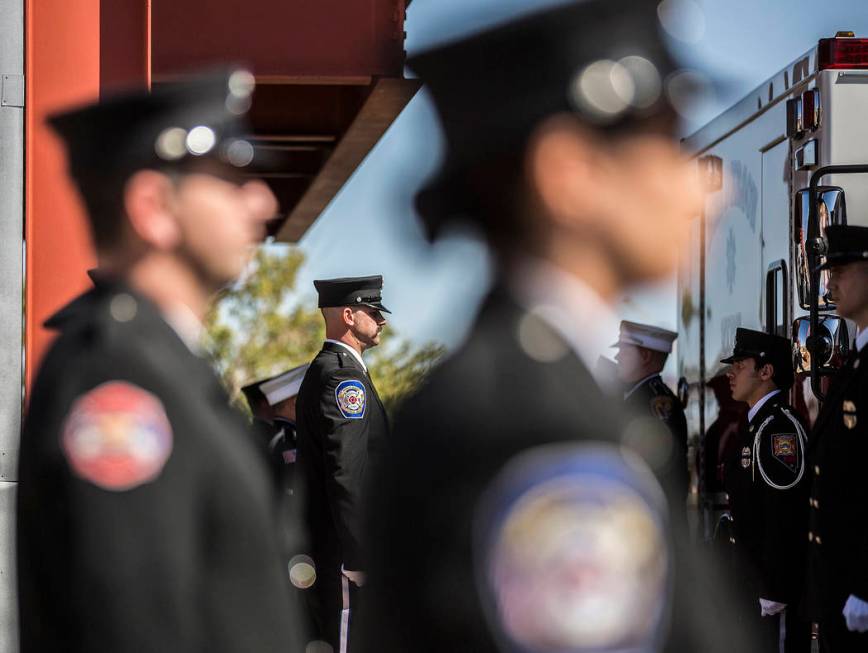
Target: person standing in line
{"points": [[342, 429], [145, 514], [273, 404], [767, 487], [642, 353], [838, 449], [518, 507]]}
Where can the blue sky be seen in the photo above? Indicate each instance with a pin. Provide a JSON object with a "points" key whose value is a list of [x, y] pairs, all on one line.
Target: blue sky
{"points": [[370, 227]]}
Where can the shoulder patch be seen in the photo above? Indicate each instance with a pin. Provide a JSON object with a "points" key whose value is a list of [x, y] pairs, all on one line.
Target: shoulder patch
{"points": [[117, 436], [784, 449], [662, 407], [571, 552], [779, 450], [351, 399]]}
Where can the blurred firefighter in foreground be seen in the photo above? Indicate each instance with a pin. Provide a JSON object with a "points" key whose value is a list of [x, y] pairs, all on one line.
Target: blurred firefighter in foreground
{"points": [[518, 507], [768, 491], [838, 451], [145, 512], [642, 353]]}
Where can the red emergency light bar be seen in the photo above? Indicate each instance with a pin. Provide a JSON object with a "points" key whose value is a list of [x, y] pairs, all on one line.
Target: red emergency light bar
{"points": [[847, 52]]}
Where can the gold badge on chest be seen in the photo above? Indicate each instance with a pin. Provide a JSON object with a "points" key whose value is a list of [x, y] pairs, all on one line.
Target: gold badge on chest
{"points": [[848, 409], [745, 457]]}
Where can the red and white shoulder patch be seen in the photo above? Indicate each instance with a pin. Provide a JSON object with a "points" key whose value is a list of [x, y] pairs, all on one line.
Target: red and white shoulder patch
{"points": [[117, 436]]}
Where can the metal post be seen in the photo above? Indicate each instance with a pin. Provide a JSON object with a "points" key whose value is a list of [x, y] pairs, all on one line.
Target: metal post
{"points": [[11, 300]]}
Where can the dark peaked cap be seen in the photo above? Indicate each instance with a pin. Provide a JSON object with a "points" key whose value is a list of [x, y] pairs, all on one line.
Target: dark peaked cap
{"points": [[845, 244], [351, 291], [493, 88], [174, 125], [765, 348]]}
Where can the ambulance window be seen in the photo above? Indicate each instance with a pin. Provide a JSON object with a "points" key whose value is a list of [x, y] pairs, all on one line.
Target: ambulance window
{"points": [[777, 307]]}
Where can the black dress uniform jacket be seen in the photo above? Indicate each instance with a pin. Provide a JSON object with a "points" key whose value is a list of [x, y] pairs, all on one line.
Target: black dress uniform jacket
{"points": [[768, 493], [838, 537], [278, 443], [342, 427], [767, 484], [184, 561], [486, 404], [652, 397]]}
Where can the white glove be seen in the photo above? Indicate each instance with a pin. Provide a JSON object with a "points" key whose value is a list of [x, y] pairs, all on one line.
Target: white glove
{"points": [[358, 577], [856, 614], [771, 608]]}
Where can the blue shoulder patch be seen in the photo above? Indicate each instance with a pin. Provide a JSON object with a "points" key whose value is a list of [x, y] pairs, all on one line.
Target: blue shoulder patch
{"points": [[350, 396], [571, 553]]}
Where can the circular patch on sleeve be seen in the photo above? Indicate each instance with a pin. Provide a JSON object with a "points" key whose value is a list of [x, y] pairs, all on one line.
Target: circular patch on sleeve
{"points": [[117, 436], [350, 396], [662, 407], [571, 552]]}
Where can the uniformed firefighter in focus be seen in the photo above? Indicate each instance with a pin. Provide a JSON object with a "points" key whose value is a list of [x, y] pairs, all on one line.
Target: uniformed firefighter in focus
{"points": [[838, 505], [642, 353], [342, 428], [145, 513], [516, 509], [768, 491]]}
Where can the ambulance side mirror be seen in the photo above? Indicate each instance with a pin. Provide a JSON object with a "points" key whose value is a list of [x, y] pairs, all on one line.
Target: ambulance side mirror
{"points": [[831, 209], [834, 343]]}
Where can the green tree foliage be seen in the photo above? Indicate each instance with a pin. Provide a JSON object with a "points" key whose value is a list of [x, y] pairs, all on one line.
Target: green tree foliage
{"points": [[257, 329]]}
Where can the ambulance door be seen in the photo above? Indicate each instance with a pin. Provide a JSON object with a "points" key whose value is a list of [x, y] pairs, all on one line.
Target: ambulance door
{"points": [[777, 312]]}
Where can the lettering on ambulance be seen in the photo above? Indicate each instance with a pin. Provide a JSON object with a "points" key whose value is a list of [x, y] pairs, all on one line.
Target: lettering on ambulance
{"points": [[744, 193]]}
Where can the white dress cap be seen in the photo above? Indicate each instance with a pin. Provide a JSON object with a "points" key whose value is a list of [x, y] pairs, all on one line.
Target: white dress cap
{"points": [[647, 336], [284, 386]]}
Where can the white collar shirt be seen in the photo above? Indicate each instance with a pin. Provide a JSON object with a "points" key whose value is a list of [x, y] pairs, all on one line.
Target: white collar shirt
{"points": [[355, 354], [187, 326], [756, 407], [570, 307], [862, 339], [639, 385]]}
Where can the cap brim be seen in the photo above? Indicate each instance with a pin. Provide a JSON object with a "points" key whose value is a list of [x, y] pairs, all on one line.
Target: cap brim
{"points": [[843, 260], [379, 307]]}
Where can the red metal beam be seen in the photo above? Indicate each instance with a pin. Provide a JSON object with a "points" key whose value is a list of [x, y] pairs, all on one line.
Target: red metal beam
{"points": [[67, 62], [276, 37]]}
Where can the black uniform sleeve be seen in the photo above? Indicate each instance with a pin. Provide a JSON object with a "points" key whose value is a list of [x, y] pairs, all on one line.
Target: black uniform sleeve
{"points": [[779, 451], [134, 572], [133, 567], [668, 409], [344, 400]]}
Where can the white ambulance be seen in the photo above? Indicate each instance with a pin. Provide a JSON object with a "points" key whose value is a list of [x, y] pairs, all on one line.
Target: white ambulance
{"points": [[780, 165]]}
